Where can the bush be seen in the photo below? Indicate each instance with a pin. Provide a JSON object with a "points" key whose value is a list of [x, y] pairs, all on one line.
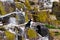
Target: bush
{"points": [[32, 3], [57, 33]]}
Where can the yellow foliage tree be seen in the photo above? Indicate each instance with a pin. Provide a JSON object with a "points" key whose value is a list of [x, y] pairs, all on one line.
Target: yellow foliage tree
{"points": [[19, 5], [32, 33], [35, 9], [12, 7], [26, 16], [43, 16], [27, 4], [40, 16], [2, 9], [9, 35]]}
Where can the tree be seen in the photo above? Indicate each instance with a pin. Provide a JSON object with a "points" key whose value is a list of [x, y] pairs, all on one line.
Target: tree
{"points": [[2, 9], [16, 0], [27, 4], [19, 5]]}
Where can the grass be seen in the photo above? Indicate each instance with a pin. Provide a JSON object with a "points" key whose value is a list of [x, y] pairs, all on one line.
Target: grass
{"points": [[50, 26]]}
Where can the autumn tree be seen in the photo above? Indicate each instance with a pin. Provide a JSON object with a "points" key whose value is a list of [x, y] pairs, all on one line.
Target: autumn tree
{"points": [[27, 4]]}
